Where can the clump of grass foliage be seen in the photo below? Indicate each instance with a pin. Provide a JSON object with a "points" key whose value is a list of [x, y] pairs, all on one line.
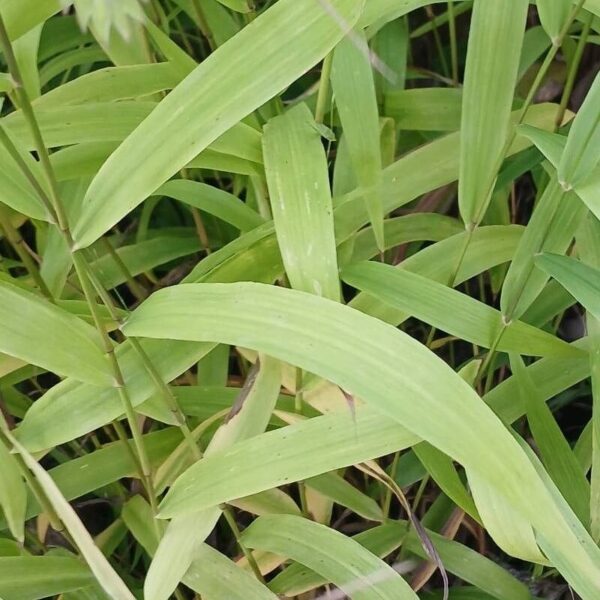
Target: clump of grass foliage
{"points": [[299, 299]]}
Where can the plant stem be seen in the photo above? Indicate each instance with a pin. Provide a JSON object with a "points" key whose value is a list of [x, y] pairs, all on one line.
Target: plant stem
{"points": [[203, 24], [238, 538], [573, 68], [138, 291], [16, 241], [453, 43], [81, 266]]}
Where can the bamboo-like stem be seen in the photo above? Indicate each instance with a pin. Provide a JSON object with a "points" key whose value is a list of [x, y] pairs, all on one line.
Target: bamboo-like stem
{"points": [[57, 210]]}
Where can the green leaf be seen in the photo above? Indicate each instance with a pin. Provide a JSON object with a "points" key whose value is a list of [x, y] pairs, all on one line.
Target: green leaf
{"points": [[298, 180], [464, 562], [214, 576], [34, 330], [495, 40], [71, 409], [99, 565], [581, 280], [212, 200], [443, 472], [20, 17], [556, 453], [341, 560], [554, 15], [248, 417], [277, 462], [425, 109], [340, 344], [15, 189], [37, 577], [589, 250], [26, 54], [550, 229], [285, 41], [113, 122], [449, 310], [405, 179], [111, 84], [13, 494], [551, 145], [237, 5], [583, 143], [354, 92], [489, 246], [336, 488], [403, 230]]}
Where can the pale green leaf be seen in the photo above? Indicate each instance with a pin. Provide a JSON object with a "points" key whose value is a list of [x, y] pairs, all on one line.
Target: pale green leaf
{"points": [[554, 15], [111, 84], [285, 41], [458, 559], [212, 200], [214, 576], [581, 280], [298, 181], [26, 54], [71, 409], [341, 560], [550, 229], [37, 577], [336, 488], [354, 92], [449, 310], [340, 344], [248, 417], [581, 154], [551, 145], [495, 40], [20, 16], [555, 451], [39, 332], [425, 109], [99, 565]]}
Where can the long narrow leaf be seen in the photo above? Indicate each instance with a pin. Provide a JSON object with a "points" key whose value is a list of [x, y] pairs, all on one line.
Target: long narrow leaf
{"points": [[285, 41]]}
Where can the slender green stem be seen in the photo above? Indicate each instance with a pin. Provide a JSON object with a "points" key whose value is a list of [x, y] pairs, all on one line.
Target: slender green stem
{"points": [[203, 24], [201, 230], [492, 351], [387, 500], [238, 538], [138, 291], [90, 296], [438, 40], [453, 41], [573, 68], [324, 86], [163, 389], [14, 153], [32, 482], [81, 266], [17, 243]]}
